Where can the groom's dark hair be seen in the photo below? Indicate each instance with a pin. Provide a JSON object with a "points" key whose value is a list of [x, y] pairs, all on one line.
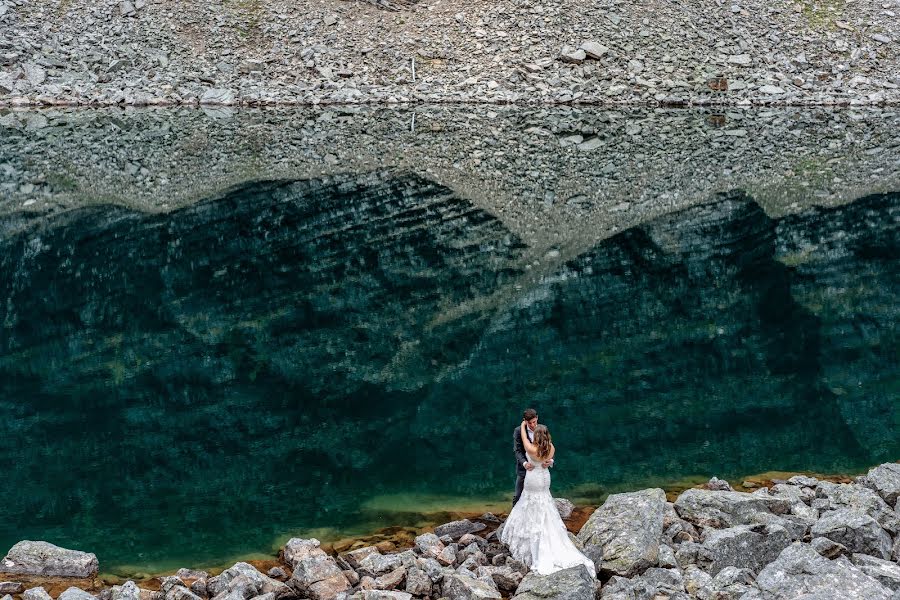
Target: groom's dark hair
{"points": [[529, 414]]}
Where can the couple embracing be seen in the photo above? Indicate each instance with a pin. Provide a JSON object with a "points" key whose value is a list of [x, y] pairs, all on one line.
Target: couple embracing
{"points": [[534, 530]]}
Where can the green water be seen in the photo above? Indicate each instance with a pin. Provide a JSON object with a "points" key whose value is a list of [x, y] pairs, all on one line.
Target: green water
{"points": [[329, 356]]}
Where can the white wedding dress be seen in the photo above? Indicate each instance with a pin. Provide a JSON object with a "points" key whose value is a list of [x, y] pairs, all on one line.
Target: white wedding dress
{"points": [[535, 532]]}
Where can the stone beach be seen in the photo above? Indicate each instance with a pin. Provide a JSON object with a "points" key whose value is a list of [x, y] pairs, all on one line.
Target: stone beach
{"points": [[261, 52], [796, 538]]}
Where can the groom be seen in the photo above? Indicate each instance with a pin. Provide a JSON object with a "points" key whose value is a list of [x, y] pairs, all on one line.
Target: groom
{"points": [[522, 464]]}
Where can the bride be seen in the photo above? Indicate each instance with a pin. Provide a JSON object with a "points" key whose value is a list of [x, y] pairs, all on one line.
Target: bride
{"points": [[534, 530]]}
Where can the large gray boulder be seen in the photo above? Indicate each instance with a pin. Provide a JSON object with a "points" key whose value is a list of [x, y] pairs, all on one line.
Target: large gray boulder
{"points": [[463, 587], [318, 578], [622, 537], [574, 583], [837, 496], [418, 582], [745, 546], [800, 570], [652, 583], [43, 558], [859, 532], [885, 480], [378, 564], [885, 571], [709, 508]]}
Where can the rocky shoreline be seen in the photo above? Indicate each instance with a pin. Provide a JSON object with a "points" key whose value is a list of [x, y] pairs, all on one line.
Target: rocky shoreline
{"points": [[613, 52], [796, 538]]}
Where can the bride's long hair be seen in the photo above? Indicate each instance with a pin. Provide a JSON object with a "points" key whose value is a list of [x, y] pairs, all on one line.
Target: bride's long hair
{"points": [[542, 440]]}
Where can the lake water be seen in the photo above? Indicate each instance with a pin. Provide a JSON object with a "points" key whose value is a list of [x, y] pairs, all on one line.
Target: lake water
{"points": [[350, 346]]}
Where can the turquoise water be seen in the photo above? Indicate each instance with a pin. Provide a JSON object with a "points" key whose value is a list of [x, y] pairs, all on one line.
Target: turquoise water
{"points": [[333, 355]]}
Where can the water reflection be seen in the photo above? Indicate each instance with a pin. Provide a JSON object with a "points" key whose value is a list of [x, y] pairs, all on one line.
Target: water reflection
{"points": [[192, 385]]}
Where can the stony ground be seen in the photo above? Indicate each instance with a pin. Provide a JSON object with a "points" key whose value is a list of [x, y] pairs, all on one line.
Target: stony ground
{"points": [[561, 179], [652, 52]]}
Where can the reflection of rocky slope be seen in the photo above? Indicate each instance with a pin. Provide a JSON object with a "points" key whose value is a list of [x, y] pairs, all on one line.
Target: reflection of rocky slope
{"points": [[271, 358], [226, 353], [521, 165], [694, 332]]}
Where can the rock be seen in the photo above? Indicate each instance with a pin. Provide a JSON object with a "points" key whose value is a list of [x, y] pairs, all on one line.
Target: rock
{"points": [[36, 75], [666, 557], [742, 60], [622, 537], [186, 574], [355, 557], [276, 573], [715, 483], [563, 506], [296, 549], [471, 538], [74, 593], [686, 554], [503, 577], [42, 558], [429, 545], [771, 90], [572, 56], [803, 480], [652, 583], [585, 146], [744, 546], [885, 480], [729, 584], [574, 583], [800, 570], [859, 532], [217, 96], [418, 583], [828, 548], [319, 578], [834, 496], [457, 529], [392, 580], [880, 38], [229, 580], [594, 50], [726, 509], [462, 587], [127, 9], [885, 571], [11, 587], [448, 555], [378, 564], [128, 591], [380, 595], [36, 593], [695, 579]]}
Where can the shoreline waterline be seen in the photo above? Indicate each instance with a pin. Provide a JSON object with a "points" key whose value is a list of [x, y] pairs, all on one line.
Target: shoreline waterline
{"points": [[399, 527]]}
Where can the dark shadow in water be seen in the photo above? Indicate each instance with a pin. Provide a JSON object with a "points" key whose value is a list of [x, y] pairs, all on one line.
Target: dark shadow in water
{"points": [[192, 385]]}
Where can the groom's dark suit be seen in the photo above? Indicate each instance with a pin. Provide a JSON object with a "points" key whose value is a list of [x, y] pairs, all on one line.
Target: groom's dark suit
{"points": [[521, 459]]}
